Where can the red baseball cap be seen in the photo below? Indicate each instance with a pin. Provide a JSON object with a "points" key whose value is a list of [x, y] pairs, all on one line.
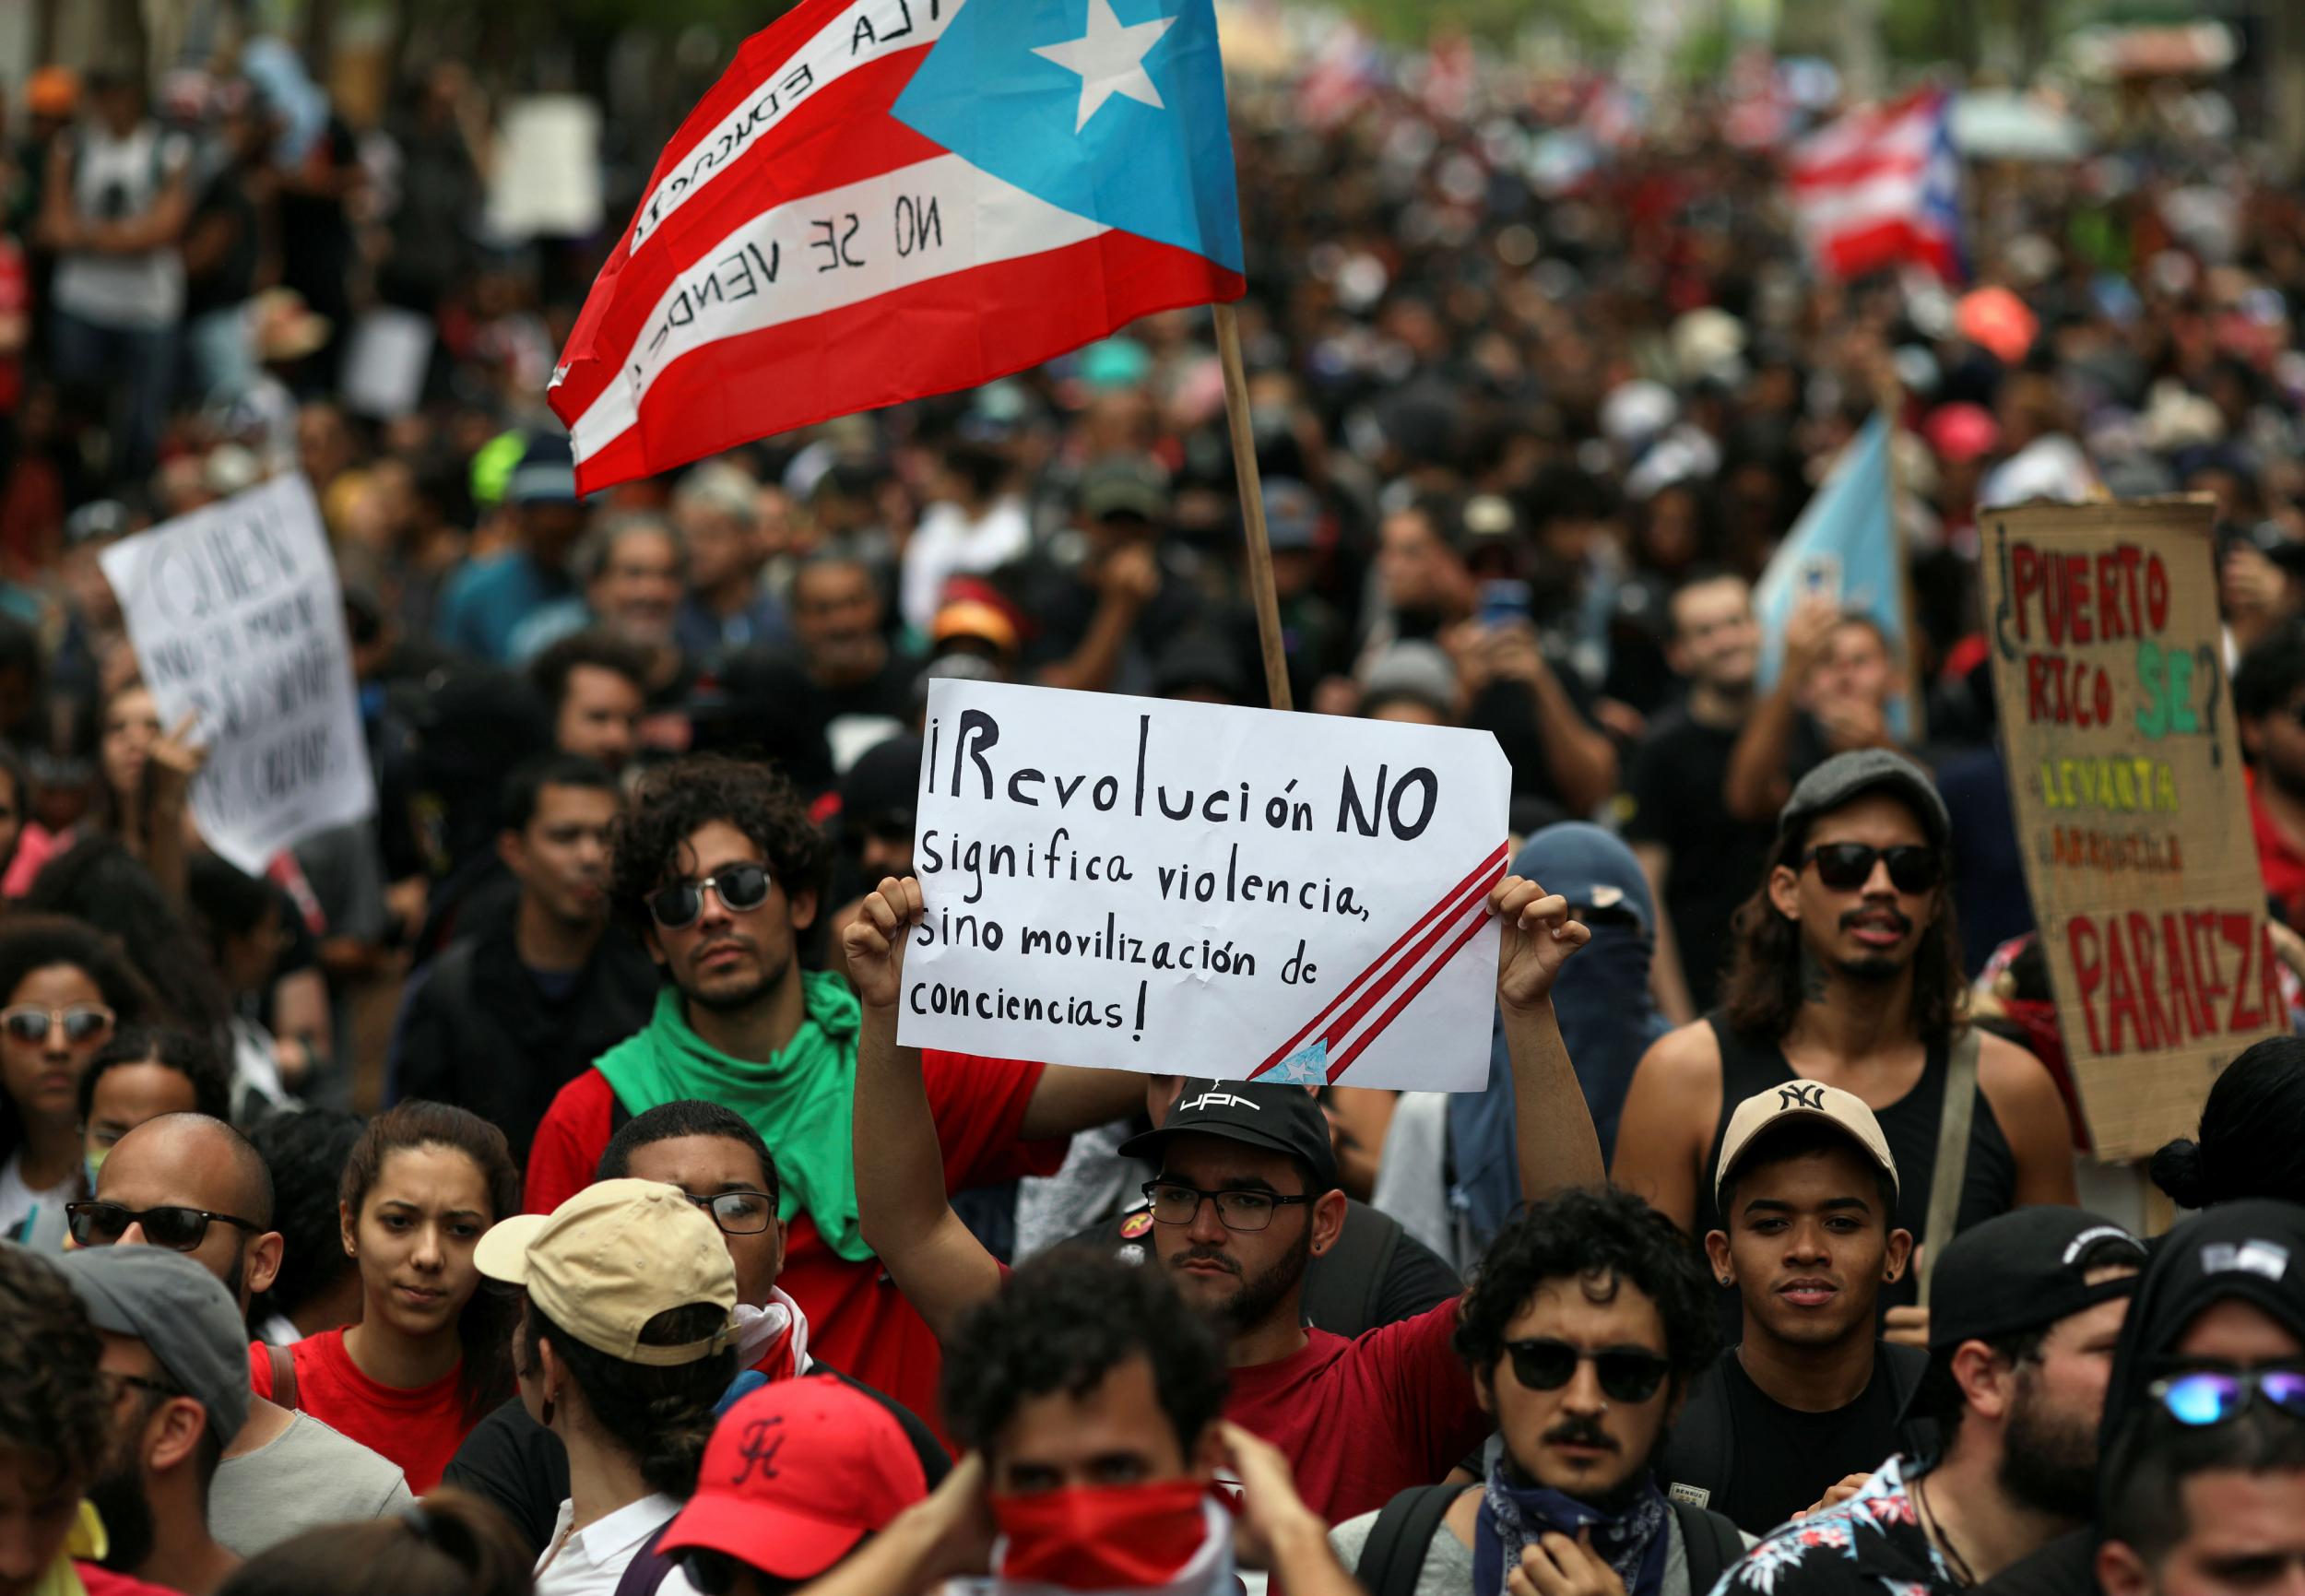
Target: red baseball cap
{"points": [[795, 1475]]}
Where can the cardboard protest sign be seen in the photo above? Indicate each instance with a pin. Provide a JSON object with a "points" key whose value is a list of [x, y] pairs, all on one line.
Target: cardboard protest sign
{"points": [[1190, 888], [2130, 810], [235, 614]]}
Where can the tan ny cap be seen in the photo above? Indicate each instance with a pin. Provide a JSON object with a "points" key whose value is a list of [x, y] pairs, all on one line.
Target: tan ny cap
{"points": [[613, 1257], [1768, 1108]]}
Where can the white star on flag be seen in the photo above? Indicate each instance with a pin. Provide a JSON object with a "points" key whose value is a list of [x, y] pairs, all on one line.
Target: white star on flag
{"points": [[1307, 1066], [1110, 60]]}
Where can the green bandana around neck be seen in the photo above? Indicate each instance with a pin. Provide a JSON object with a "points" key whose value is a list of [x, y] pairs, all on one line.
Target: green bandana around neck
{"points": [[801, 1100]]}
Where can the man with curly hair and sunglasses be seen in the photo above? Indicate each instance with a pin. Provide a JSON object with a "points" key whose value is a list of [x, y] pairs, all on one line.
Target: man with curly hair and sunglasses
{"points": [[1847, 971], [1582, 1332], [718, 867]]}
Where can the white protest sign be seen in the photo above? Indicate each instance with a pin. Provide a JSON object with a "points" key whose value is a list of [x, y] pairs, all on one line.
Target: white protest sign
{"points": [[1194, 888], [236, 615]]}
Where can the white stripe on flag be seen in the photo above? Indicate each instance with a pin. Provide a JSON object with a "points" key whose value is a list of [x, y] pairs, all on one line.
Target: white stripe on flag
{"points": [[825, 251], [862, 33], [1882, 198], [1909, 134]]}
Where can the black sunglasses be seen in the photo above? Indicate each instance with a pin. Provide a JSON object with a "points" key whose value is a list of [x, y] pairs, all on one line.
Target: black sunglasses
{"points": [[177, 1229], [1627, 1374], [2207, 1397], [741, 888], [1846, 867]]}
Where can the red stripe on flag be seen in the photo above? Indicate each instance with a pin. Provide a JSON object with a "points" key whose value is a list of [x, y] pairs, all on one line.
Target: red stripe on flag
{"points": [[842, 135], [1855, 252], [953, 332], [1379, 990], [1482, 876], [757, 62], [1343, 1061]]}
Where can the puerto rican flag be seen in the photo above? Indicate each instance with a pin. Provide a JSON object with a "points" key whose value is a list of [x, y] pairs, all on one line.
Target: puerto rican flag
{"points": [[884, 199], [1881, 188]]}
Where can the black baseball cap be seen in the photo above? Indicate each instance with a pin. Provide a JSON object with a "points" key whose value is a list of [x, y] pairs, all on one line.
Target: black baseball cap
{"points": [[1281, 1118], [2022, 1270]]}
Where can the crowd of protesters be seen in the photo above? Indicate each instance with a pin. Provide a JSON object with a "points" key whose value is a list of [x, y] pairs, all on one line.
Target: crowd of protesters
{"points": [[523, 1189]]}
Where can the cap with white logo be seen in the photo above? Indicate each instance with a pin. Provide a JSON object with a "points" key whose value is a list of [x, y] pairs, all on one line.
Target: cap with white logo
{"points": [[1281, 1118], [1796, 1100]]}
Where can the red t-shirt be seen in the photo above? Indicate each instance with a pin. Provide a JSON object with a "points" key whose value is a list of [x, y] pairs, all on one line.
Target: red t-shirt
{"points": [[99, 1580], [1362, 1420], [2282, 866], [419, 1429], [859, 1321]]}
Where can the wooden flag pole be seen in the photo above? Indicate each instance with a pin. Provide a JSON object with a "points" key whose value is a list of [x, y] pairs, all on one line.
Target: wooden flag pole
{"points": [[1252, 509], [1889, 394]]}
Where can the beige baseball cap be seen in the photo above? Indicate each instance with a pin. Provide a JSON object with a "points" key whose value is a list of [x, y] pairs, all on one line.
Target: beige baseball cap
{"points": [[612, 1258], [1776, 1106]]}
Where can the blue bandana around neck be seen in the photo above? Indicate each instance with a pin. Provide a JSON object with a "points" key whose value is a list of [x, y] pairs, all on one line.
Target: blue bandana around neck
{"points": [[1634, 1542]]}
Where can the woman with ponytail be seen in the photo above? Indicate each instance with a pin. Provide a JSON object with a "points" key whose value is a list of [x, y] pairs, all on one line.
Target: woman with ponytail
{"points": [[2251, 1141], [627, 1342]]}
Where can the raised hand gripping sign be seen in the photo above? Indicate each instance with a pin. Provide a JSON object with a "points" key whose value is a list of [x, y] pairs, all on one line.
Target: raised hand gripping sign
{"points": [[1189, 888]]}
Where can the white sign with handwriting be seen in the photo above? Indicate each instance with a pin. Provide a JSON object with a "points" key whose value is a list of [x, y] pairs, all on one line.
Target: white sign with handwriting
{"points": [[1195, 889], [236, 616]]}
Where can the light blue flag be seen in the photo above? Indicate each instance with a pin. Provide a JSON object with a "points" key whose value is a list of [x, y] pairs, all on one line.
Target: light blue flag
{"points": [[1844, 546]]}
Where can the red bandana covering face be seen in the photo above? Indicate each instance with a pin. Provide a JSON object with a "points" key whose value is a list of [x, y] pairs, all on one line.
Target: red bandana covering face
{"points": [[1167, 1538]]}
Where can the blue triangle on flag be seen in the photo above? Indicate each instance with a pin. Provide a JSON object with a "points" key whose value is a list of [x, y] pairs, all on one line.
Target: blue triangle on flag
{"points": [[996, 92]]}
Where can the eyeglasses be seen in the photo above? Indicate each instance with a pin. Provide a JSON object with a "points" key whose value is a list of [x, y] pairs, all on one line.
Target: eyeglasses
{"points": [[741, 889], [1845, 867], [143, 1383], [82, 1022], [1627, 1374], [2212, 1396], [738, 1213], [176, 1229], [1174, 1203]]}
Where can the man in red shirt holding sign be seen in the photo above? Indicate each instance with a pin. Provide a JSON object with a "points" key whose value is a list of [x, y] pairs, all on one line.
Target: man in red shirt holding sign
{"points": [[717, 864], [1246, 1197]]}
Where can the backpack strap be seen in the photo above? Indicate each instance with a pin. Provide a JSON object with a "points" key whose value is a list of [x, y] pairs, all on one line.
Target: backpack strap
{"points": [[283, 1360], [1952, 1168], [1712, 1545], [649, 1567], [1393, 1554], [1700, 1454]]}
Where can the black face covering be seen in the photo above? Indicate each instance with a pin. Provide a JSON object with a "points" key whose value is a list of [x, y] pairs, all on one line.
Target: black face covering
{"points": [[2253, 1250]]}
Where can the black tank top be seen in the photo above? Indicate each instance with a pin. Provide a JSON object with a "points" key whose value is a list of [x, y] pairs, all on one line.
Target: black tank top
{"points": [[1910, 1124]]}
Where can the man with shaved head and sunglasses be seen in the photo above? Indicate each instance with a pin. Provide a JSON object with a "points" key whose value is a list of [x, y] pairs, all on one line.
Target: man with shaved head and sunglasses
{"points": [[1847, 971], [717, 866], [194, 1185]]}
